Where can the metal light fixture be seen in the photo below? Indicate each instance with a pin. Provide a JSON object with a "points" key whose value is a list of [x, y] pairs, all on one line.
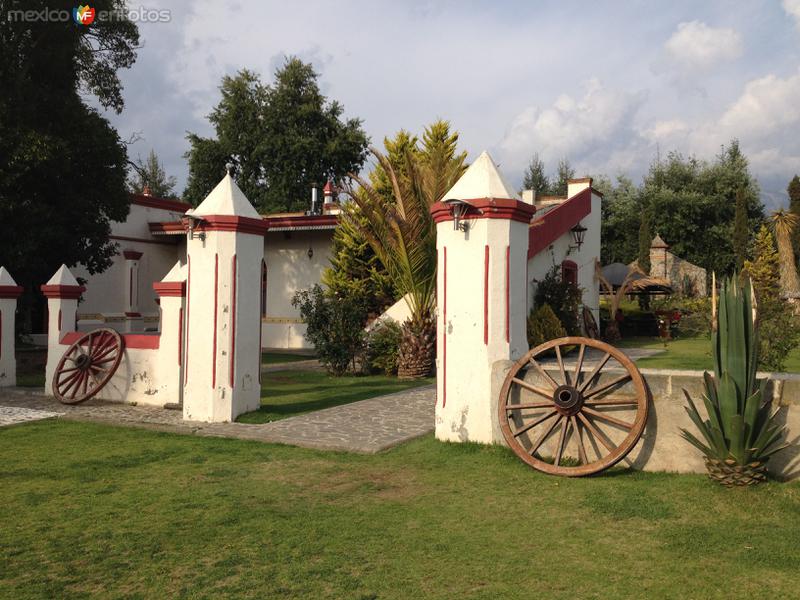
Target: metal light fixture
{"points": [[194, 222], [458, 208], [578, 233], [310, 253]]}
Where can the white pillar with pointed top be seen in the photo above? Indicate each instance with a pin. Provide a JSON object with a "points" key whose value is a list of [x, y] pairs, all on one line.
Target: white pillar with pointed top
{"points": [[62, 293], [171, 292], [9, 292], [481, 299], [224, 251]]}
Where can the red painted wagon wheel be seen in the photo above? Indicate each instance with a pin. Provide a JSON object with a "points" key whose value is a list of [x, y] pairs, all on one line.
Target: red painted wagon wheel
{"points": [[573, 419], [87, 365]]}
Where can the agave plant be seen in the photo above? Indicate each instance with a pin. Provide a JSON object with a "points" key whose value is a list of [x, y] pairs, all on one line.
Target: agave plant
{"points": [[741, 432]]}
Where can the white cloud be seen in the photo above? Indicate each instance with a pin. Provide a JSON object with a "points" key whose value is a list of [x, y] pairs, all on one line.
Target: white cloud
{"points": [[570, 127], [666, 130], [792, 8], [697, 47]]}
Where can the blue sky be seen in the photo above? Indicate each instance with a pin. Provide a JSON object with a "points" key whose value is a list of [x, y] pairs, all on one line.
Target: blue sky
{"points": [[605, 83]]}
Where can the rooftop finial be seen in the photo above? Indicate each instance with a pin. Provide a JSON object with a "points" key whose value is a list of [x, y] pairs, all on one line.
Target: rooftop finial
{"points": [[229, 168]]}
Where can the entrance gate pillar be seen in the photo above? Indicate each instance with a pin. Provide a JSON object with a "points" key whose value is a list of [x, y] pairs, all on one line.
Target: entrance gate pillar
{"points": [[482, 243], [62, 292], [222, 356], [9, 292]]}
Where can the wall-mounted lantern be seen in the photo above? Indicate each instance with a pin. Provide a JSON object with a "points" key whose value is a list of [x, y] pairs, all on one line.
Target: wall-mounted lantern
{"points": [[578, 232], [459, 209], [310, 253], [194, 222]]}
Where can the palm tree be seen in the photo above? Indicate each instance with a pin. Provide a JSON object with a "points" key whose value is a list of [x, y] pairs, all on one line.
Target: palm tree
{"points": [[399, 228], [784, 224]]}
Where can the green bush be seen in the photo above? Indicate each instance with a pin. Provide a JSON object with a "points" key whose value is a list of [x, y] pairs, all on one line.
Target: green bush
{"points": [[383, 346], [335, 327], [563, 298], [543, 326], [695, 314]]}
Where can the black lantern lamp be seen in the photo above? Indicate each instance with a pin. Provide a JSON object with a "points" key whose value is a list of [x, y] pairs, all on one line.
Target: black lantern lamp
{"points": [[459, 209], [577, 234]]}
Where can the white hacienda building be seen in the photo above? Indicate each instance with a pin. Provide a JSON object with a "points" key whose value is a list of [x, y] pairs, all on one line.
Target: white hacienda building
{"points": [[297, 249]]}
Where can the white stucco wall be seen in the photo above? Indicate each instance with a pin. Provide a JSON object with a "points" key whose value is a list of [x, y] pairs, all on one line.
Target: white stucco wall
{"points": [[288, 270]]}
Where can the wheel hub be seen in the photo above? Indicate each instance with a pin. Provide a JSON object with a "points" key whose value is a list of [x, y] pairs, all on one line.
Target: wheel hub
{"points": [[83, 361], [568, 400]]}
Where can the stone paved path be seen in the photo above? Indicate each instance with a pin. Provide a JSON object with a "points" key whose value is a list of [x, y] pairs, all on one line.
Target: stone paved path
{"points": [[367, 426], [11, 415]]}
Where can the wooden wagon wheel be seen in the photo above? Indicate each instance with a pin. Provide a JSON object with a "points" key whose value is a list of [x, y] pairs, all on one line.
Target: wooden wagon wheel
{"points": [[573, 419], [590, 327], [87, 365]]}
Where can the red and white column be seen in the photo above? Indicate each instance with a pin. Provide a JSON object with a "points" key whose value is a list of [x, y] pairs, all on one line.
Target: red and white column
{"points": [[62, 293], [9, 292], [481, 299], [172, 299], [224, 249], [133, 318]]}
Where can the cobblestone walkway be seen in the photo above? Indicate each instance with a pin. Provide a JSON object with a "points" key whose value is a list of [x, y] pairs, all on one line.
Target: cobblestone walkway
{"points": [[367, 426], [11, 415]]}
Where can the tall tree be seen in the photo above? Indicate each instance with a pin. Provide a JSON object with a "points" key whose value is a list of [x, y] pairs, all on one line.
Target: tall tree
{"points": [[535, 178], [794, 207], [62, 165], [280, 139], [401, 232], [784, 225], [741, 233], [645, 239], [621, 215], [564, 173], [149, 176]]}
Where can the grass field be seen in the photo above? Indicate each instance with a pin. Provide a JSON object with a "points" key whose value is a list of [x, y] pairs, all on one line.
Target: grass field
{"points": [[688, 353], [97, 511], [288, 393], [271, 358]]}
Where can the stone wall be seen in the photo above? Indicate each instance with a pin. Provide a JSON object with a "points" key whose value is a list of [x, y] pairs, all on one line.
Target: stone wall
{"points": [[661, 447], [664, 264]]}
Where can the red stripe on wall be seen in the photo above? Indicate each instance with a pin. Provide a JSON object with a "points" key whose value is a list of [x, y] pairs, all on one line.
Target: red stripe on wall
{"points": [[233, 319], [180, 335], [486, 294], [508, 282], [214, 347], [444, 334], [130, 288], [188, 299], [59, 320]]}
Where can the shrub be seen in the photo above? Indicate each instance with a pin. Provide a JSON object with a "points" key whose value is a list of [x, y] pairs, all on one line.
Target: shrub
{"points": [[383, 345], [695, 314], [543, 326], [334, 325], [562, 297]]}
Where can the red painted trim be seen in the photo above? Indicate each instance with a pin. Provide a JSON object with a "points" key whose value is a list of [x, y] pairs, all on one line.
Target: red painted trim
{"points": [[162, 203], [132, 254], [180, 334], [487, 208], [233, 318], [11, 291], [558, 221], [486, 294], [302, 221], [508, 283], [188, 298], [232, 223], [444, 335], [59, 320], [69, 292], [133, 314], [214, 348], [137, 341], [170, 288], [125, 238], [166, 227]]}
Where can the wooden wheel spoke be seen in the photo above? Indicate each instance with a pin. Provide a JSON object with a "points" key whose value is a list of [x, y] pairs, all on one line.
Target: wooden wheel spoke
{"points": [[544, 373], [581, 450], [102, 352], [533, 388], [590, 426], [533, 424], [600, 415], [98, 353], [597, 369], [561, 365], [562, 438], [579, 365], [104, 361], [543, 437], [73, 384], [511, 407], [607, 386], [612, 402], [66, 380]]}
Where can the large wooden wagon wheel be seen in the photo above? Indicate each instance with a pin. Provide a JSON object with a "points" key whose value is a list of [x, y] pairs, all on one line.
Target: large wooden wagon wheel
{"points": [[87, 365], [576, 418], [590, 327]]}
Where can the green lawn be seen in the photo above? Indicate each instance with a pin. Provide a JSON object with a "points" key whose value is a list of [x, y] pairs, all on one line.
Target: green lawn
{"points": [[271, 358], [97, 511], [288, 393], [689, 353]]}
